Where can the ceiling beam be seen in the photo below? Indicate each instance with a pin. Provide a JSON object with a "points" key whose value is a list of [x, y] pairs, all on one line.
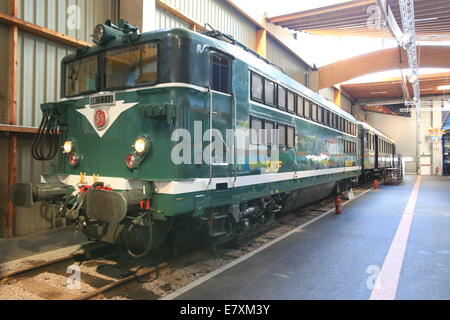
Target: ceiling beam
{"points": [[338, 7], [382, 60]]}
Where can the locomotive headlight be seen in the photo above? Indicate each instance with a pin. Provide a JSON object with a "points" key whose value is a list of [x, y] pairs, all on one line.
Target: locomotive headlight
{"points": [[103, 33], [68, 146], [99, 33], [141, 145]]}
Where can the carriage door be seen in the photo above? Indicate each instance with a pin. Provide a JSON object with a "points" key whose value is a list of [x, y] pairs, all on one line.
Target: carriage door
{"points": [[221, 115]]}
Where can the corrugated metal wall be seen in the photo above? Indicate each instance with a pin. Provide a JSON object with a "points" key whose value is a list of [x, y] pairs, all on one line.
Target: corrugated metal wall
{"points": [[4, 38], [75, 18], [164, 19], [39, 63], [39, 81], [290, 64], [218, 14]]}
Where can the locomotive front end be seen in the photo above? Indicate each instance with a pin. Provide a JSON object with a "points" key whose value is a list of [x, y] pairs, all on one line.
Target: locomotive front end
{"points": [[100, 139]]}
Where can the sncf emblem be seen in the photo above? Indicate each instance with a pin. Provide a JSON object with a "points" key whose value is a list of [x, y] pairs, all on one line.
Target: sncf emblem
{"points": [[100, 119]]}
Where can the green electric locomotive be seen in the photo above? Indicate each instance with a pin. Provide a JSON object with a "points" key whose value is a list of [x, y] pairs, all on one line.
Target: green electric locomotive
{"points": [[174, 129]]}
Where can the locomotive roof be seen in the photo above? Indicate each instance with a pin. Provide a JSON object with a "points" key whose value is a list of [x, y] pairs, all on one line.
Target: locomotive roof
{"points": [[271, 72], [374, 130], [253, 61]]}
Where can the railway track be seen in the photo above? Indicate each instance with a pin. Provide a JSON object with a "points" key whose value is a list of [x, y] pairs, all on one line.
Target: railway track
{"points": [[106, 274], [26, 277]]}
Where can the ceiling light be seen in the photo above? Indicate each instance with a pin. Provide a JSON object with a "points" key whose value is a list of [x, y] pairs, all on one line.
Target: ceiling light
{"points": [[426, 19], [446, 87]]}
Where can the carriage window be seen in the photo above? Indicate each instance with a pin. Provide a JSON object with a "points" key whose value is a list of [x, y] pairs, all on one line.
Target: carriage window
{"points": [[269, 92], [281, 98], [282, 135], [307, 109], [256, 126], [290, 137], [314, 112], [326, 117], [300, 106], [257, 87], [319, 114], [291, 102], [135, 66], [269, 126]]}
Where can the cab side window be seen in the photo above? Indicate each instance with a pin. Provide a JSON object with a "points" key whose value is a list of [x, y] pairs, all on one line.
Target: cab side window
{"points": [[220, 73]]}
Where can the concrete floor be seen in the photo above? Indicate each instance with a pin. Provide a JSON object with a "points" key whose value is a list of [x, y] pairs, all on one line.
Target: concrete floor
{"points": [[38, 243], [337, 256]]}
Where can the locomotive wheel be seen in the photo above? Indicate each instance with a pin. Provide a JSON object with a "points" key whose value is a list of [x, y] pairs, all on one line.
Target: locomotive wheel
{"points": [[143, 239]]}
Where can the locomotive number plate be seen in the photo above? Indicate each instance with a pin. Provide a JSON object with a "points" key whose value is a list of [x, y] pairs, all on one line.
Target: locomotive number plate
{"points": [[100, 100]]}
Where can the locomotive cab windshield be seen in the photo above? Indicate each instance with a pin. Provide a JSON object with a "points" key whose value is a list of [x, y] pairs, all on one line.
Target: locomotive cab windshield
{"points": [[112, 70]]}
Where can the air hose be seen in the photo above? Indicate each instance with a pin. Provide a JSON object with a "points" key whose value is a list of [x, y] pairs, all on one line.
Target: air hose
{"points": [[148, 222], [45, 142]]}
